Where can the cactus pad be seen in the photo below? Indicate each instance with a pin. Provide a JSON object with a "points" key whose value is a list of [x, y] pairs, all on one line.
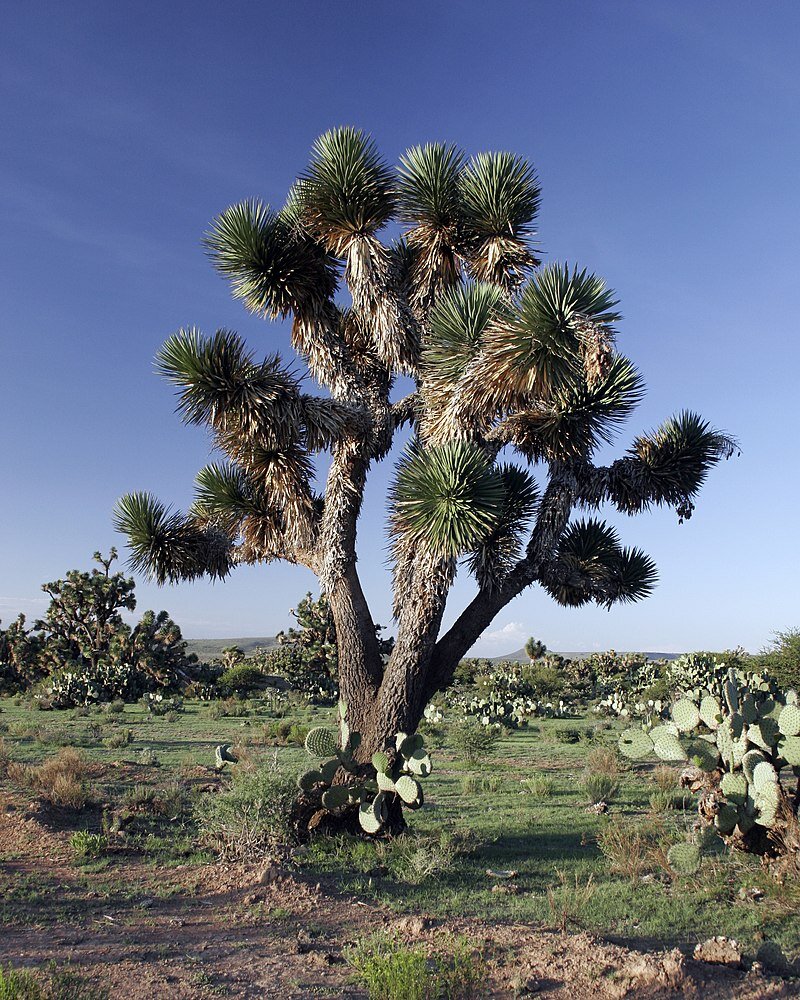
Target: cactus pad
{"points": [[734, 787], [764, 773], [710, 711], [636, 744], [328, 770], [307, 781], [789, 749], [380, 762], [321, 742], [384, 782], [767, 800], [749, 709], [668, 728], [223, 756], [789, 720], [369, 818], [684, 858], [749, 762], [726, 819], [408, 789], [409, 745], [703, 754], [336, 797], [669, 747], [419, 763], [685, 715], [763, 733]]}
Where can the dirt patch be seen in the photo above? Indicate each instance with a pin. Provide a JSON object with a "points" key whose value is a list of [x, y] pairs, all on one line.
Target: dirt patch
{"points": [[245, 931]]}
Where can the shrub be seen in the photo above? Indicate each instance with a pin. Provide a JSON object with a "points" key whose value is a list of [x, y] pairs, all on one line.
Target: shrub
{"points": [[664, 799], [239, 679], [473, 740], [19, 985], [147, 757], [665, 777], [78, 683], [540, 786], [600, 787], [253, 814], [87, 845], [631, 848], [20, 652], [468, 671], [415, 860], [119, 739], [470, 783], [566, 736], [568, 901], [782, 658], [507, 695], [605, 760], [392, 970], [60, 780]]}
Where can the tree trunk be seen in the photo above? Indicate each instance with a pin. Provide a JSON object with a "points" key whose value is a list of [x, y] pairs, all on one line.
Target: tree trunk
{"points": [[360, 661]]}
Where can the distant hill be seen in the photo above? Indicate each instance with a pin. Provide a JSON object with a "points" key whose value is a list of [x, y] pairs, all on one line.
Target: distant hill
{"points": [[207, 650], [521, 657], [211, 649]]}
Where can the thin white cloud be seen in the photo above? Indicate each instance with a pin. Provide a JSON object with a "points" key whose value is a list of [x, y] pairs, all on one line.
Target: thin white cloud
{"points": [[505, 639]]}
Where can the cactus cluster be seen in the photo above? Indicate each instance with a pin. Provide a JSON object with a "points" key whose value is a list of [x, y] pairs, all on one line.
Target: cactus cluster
{"points": [[398, 778], [743, 732]]}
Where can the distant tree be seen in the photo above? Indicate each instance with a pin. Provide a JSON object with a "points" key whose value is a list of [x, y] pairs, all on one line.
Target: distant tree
{"points": [[83, 622], [782, 658], [230, 656], [20, 656], [505, 356], [534, 649], [83, 628]]}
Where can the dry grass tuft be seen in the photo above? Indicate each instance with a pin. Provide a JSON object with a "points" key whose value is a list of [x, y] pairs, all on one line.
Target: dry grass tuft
{"points": [[60, 780]]}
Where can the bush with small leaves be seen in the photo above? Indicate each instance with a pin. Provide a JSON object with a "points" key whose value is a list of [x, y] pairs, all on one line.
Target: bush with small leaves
{"points": [[473, 740], [241, 678], [392, 970], [252, 815], [121, 738], [600, 787], [87, 846], [539, 786]]}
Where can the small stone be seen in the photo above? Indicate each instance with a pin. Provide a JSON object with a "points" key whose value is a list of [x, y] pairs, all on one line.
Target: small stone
{"points": [[269, 875], [411, 925], [719, 951]]}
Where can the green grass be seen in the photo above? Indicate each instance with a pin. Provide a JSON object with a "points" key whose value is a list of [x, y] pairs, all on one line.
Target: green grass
{"points": [[526, 811]]}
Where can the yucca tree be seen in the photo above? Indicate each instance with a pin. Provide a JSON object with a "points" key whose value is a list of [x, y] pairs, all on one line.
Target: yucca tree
{"points": [[512, 365]]}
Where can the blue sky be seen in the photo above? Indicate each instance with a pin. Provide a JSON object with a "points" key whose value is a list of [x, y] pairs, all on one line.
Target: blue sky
{"points": [[667, 140]]}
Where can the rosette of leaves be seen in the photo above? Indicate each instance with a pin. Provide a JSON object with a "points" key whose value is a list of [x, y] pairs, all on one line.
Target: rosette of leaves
{"points": [[373, 788], [744, 740]]}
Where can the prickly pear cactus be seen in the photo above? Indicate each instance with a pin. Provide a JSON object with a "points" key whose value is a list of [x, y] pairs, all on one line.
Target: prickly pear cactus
{"points": [[684, 859], [741, 735], [396, 774]]}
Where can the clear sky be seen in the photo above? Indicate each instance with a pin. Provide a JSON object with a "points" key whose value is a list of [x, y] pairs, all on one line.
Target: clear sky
{"points": [[666, 135]]}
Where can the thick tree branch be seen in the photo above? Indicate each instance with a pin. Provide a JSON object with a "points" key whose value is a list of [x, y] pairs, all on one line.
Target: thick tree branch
{"points": [[554, 513]]}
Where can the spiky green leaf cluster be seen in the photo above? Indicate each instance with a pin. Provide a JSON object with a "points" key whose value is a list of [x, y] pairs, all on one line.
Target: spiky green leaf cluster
{"points": [[446, 498], [593, 565], [272, 265]]}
